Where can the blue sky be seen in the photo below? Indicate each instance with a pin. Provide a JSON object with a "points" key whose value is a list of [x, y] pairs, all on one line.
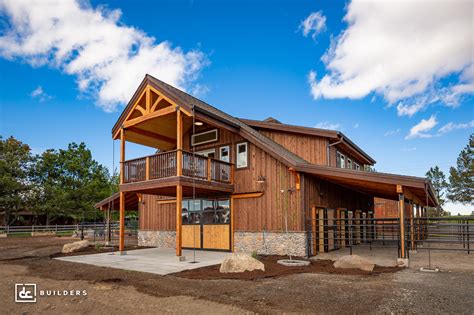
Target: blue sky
{"points": [[398, 97]]}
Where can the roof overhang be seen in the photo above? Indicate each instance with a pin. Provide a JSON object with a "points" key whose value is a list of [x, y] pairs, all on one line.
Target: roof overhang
{"points": [[375, 184], [113, 202]]}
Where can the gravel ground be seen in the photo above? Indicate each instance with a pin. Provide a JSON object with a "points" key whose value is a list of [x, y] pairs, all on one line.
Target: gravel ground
{"points": [[124, 292]]}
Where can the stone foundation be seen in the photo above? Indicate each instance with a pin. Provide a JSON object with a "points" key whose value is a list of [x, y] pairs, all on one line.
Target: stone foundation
{"points": [[271, 243], [265, 243], [161, 239]]}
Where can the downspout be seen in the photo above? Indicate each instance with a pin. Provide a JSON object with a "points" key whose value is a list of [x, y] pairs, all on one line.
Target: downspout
{"points": [[328, 155]]}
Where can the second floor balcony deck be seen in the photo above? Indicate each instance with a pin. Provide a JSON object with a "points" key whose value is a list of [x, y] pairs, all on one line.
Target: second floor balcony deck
{"points": [[162, 169]]}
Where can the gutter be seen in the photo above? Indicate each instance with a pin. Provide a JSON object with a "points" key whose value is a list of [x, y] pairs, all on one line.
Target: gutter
{"points": [[328, 155]]}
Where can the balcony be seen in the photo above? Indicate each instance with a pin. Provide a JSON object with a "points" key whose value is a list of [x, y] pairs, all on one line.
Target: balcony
{"points": [[159, 171]]}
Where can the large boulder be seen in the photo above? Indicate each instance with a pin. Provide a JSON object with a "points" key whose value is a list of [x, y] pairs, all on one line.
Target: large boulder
{"points": [[74, 247], [240, 263], [354, 261]]}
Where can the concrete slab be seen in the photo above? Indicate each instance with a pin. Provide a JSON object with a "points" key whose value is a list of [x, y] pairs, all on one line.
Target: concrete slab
{"points": [[152, 260]]}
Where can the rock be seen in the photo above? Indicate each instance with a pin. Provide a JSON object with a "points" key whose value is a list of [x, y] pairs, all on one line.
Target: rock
{"points": [[49, 233], [354, 261], [240, 263], [74, 247]]}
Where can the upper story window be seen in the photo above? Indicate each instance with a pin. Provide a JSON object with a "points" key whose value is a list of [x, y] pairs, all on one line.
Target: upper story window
{"points": [[349, 163], [204, 137], [356, 166], [242, 155], [224, 154], [340, 160]]}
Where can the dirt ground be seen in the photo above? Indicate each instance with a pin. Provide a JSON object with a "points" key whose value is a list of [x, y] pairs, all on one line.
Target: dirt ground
{"points": [[28, 260]]}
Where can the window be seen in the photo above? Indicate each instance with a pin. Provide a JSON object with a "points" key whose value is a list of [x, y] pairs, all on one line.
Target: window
{"points": [[242, 155], [224, 154], [340, 160], [204, 137], [206, 211], [211, 153], [356, 166], [349, 163]]}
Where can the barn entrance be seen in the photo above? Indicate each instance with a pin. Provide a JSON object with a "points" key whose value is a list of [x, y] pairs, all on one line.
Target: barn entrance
{"points": [[206, 223]]}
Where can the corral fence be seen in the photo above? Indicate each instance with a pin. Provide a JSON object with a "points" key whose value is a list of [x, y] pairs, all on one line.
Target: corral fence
{"points": [[97, 232], [326, 233]]}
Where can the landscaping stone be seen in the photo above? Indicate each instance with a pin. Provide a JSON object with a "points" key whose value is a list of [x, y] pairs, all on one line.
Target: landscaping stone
{"points": [[240, 263], [74, 247], [3, 235], [294, 262], [354, 261]]}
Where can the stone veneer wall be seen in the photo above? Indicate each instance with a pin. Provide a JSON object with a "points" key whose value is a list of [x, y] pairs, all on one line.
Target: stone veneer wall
{"points": [[265, 243], [162, 239], [271, 243]]}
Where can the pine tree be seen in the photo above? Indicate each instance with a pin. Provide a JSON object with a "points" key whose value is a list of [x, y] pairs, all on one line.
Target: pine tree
{"points": [[461, 188]]}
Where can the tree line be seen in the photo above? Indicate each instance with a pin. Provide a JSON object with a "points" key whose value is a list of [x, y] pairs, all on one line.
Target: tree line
{"points": [[459, 188], [57, 185]]}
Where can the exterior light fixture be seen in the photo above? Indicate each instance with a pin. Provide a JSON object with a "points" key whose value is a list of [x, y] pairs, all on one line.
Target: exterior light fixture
{"points": [[261, 179], [199, 123]]}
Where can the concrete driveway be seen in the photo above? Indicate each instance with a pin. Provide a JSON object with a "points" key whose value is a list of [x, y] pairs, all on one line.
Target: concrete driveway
{"points": [[153, 260]]}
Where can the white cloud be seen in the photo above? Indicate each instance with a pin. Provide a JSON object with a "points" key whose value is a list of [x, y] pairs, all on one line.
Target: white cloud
{"points": [[392, 132], [420, 130], [328, 125], [40, 94], [108, 58], [452, 126], [401, 50], [314, 24]]}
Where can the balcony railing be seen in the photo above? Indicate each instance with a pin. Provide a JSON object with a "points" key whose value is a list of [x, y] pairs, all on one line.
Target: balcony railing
{"points": [[164, 165]]}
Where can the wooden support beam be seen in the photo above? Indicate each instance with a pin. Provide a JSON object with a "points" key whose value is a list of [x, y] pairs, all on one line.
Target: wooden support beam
{"points": [[401, 215], [152, 135], [155, 104], [179, 202], [248, 195], [313, 230], [232, 248], [147, 168], [412, 226], [122, 222], [148, 99], [122, 154], [179, 143], [162, 112]]}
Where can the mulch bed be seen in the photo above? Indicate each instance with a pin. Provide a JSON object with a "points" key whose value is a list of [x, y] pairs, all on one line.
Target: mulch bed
{"points": [[92, 250], [273, 269]]}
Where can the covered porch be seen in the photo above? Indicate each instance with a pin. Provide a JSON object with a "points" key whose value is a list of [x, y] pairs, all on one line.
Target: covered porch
{"points": [[156, 119]]}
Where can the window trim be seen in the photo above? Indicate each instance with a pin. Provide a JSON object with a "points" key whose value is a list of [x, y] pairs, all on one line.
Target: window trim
{"points": [[204, 142], [207, 151], [237, 154], [220, 153]]}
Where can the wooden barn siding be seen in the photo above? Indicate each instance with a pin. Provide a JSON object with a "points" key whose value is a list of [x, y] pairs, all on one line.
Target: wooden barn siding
{"points": [[267, 212], [311, 148], [154, 216], [324, 194]]}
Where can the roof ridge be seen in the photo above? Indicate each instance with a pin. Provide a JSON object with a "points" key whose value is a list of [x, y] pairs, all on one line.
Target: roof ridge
{"points": [[180, 94]]}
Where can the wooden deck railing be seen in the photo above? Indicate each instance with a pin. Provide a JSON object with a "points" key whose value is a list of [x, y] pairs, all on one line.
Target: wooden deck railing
{"points": [[164, 165]]}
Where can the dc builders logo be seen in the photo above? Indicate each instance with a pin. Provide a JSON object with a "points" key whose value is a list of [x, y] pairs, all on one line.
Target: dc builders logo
{"points": [[28, 293]]}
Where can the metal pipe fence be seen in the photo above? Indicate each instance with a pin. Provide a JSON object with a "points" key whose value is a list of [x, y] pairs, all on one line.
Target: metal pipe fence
{"points": [[326, 234]]}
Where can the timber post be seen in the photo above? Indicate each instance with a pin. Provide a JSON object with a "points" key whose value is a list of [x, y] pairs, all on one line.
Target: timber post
{"points": [[122, 195], [401, 214], [179, 188]]}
